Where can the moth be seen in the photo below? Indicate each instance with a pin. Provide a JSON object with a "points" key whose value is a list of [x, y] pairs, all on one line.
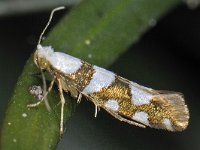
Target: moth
{"points": [[123, 99]]}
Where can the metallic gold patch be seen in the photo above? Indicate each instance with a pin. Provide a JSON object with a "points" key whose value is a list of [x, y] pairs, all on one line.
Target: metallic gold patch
{"points": [[118, 91], [83, 76]]}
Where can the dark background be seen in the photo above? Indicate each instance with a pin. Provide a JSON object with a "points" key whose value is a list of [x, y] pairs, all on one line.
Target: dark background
{"points": [[167, 57]]}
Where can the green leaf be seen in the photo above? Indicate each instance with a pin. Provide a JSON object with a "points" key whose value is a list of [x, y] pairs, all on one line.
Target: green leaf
{"points": [[95, 31], [8, 8]]}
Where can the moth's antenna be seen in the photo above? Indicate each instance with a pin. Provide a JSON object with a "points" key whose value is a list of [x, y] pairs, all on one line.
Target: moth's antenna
{"points": [[49, 21]]}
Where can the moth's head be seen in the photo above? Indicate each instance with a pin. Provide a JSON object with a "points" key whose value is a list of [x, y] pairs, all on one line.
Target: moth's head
{"points": [[42, 56]]}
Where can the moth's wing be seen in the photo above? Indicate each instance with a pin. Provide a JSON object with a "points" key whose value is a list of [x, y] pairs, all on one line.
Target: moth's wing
{"points": [[168, 100], [179, 114]]}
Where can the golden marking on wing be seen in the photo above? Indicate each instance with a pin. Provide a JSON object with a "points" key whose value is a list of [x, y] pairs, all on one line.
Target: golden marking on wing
{"points": [[79, 80], [82, 76], [161, 106]]}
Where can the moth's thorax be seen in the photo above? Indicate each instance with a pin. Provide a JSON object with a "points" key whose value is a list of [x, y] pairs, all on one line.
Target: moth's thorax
{"points": [[46, 58]]}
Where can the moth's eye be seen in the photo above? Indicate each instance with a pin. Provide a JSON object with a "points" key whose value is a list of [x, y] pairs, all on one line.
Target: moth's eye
{"points": [[36, 58], [42, 63]]}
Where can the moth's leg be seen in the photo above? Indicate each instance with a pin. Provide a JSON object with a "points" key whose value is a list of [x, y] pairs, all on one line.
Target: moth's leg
{"points": [[37, 74], [66, 91], [96, 105], [62, 100], [49, 89], [79, 97], [97, 108], [117, 116]]}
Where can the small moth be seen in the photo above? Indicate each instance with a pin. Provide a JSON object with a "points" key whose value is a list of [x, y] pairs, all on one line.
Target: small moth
{"points": [[123, 99]]}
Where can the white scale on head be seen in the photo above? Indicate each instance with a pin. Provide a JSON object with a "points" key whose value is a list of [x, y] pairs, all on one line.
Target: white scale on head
{"points": [[102, 78]]}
